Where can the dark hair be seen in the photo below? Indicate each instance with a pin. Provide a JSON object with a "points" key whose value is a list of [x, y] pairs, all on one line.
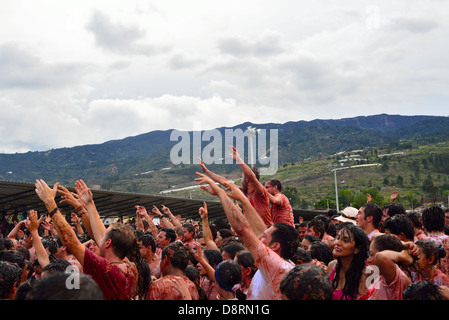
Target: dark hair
{"points": [[311, 238], [13, 257], [422, 290], [193, 274], [246, 260], [170, 234], [53, 287], [388, 242], [321, 251], [256, 172], [373, 210], [431, 249], [221, 223], [277, 183], [228, 274], [394, 209], [354, 273], [318, 226], [306, 282], [213, 257], [398, 224], [288, 238], [322, 218], [433, 219], [57, 265], [331, 230], [416, 219], [178, 255], [147, 240], [301, 256], [50, 243], [10, 274], [232, 248], [224, 233], [190, 228]]}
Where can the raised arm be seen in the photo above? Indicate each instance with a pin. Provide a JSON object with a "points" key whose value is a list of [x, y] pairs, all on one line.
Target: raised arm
{"points": [[73, 200], [254, 219], [162, 218], [86, 197], [65, 231], [142, 212], [13, 234], [235, 217], [207, 234], [386, 262], [32, 224], [216, 177], [249, 174], [173, 219]]}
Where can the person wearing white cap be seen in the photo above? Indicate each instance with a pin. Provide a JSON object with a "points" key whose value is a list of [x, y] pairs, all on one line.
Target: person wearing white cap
{"points": [[348, 215]]}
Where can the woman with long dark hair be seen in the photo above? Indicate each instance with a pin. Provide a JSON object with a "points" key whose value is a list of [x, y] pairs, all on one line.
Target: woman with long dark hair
{"points": [[347, 272]]}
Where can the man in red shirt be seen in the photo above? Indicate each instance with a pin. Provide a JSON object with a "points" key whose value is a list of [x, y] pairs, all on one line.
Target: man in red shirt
{"points": [[112, 271], [253, 189], [281, 210]]}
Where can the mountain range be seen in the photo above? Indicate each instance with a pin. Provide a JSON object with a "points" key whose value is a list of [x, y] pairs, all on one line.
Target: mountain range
{"points": [[144, 155]]}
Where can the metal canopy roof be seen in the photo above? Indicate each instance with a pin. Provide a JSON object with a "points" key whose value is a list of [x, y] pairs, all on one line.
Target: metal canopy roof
{"points": [[17, 197]]}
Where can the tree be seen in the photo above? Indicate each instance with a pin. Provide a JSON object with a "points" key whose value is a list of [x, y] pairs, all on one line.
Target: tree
{"points": [[345, 197], [324, 204], [376, 197]]}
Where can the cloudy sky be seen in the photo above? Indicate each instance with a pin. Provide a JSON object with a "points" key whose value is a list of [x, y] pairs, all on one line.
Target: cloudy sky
{"points": [[83, 72]]}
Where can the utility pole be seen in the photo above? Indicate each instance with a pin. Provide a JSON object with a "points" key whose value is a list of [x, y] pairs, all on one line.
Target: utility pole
{"points": [[344, 168]]}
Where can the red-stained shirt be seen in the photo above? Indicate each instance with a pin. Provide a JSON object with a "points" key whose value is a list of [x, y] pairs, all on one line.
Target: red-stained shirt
{"points": [[265, 284], [261, 202], [283, 212], [173, 288], [112, 280], [392, 290], [443, 239]]}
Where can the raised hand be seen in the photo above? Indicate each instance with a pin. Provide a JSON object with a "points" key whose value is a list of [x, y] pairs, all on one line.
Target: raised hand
{"points": [[84, 193], [69, 197], [203, 179], [233, 191], [156, 211], [235, 155], [32, 222], [140, 210], [368, 198], [394, 196], [45, 193], [203, 211]]}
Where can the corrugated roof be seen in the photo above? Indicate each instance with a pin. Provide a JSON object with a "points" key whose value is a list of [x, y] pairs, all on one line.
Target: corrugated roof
{"points": [[21, 197]]}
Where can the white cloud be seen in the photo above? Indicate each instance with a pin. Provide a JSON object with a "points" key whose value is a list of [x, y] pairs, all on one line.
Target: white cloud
{"points": [[107, 70]]}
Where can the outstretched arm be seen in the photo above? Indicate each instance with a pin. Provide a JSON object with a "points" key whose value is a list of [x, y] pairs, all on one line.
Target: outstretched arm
{"points": [[207, 234], [249, 174], [73, 200], [173, 219], [86, 197], [235, 217], [254, 219], [216, 177], [142, 212], [65, 231], [32, 224]]}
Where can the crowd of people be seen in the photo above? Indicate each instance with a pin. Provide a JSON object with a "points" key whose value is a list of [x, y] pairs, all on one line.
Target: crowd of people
{"points": [[257, 252]]}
